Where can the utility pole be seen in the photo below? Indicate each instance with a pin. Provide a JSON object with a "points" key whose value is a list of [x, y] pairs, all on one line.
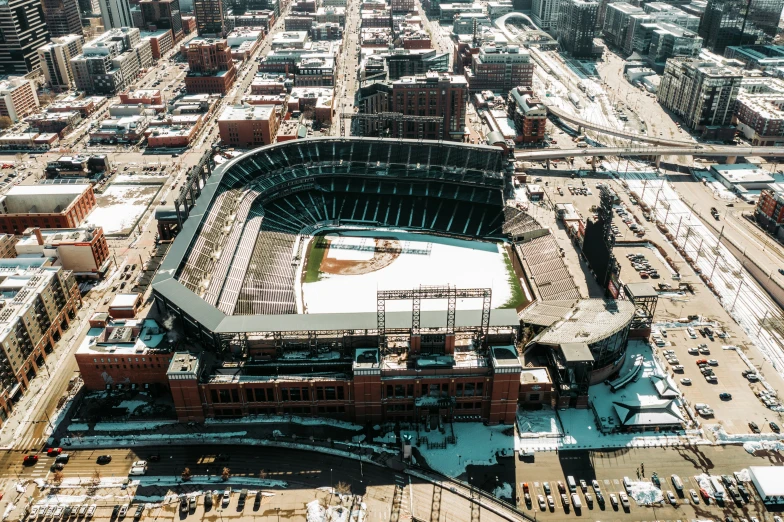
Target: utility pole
{"points": [[736, 296]]}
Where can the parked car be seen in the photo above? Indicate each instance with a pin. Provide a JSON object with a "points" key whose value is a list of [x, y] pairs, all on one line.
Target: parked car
{"points": [[753, 427], [30, 460], [123, 511], [774, 427], [695, 498], [103, 459], [725, 396]]}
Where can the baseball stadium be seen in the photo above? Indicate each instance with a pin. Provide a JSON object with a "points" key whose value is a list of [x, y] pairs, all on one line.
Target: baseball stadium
{"points": [[363, 278]]}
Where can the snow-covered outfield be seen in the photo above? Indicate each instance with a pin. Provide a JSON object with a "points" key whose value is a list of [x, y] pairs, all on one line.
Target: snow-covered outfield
{"points": [[423, 260], [120, 207]]}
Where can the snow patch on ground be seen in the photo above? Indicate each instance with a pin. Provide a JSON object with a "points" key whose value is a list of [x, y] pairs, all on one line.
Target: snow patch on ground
{"points": [[504, 491], [130, 426], [120, 207], [476, 444], [722, 437], [282, 419], [645, 493], [215, 480]]}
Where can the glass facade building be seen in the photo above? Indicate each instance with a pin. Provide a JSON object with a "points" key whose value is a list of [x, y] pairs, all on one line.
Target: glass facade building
{"points": [[739, 22]]}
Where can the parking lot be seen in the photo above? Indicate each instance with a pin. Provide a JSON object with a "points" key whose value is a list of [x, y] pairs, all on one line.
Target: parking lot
{"points": [[609, 468], [733, 414], [659, 272]]}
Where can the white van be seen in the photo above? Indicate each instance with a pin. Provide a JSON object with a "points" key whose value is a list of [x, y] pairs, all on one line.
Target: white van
{"points": [[576, 501], [138, 470], [677, 484], [627, 484], [572, 484]]}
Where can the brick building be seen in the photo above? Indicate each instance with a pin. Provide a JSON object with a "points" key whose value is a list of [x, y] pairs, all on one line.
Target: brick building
{"points": [[38, 304], [249, 126], [499, 69], [298, 22], [161, 42], [45, 206], [58, 122], [211, 67], [17, 98], [143, 96], [163, 14], [83, 251], [123, 352], [188, 24], [431, 94], [769, 211], [529, 115]]}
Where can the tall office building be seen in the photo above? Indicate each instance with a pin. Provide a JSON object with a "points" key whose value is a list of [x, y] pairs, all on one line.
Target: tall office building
{"points": [[577, 26], [163, 14], [116, 14], [210, 17], [23, 31], [62, 17], [55, 60], [739, 22]]}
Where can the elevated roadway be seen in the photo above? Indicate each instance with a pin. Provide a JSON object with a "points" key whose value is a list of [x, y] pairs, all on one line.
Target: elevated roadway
{"points": [[585, 124], [731, 152]]}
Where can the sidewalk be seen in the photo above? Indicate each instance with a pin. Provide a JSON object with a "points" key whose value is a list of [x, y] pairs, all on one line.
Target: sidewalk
{"points": [[13, 430]]}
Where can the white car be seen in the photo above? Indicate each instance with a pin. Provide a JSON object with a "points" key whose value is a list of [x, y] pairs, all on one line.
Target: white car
{"points": [[595, 484], [671, 498], [551, 502], [624, 499], [91, 510], [686, 381], [226, 496], [58, 511], [713, 362], [139, 464], [694, 351], [695, 498], [123, 511], [542, 502], [33, 512], [691, 332], [613, 500], [677, 368]]}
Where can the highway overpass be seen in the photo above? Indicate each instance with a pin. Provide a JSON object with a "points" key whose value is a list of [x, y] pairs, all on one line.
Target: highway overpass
{"points": [[585, 124], [731, 152]]}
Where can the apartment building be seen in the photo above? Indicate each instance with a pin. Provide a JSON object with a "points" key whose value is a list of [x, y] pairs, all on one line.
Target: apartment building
{"points": [[55, 58]]}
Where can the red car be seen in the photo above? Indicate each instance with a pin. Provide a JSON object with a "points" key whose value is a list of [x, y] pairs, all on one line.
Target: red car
{"points": [[30, 460], [53, 452]]}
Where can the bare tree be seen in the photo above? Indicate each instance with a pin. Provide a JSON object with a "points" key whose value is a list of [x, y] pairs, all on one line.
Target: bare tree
{"points": [[45, 99], [5, 122], [96, 477], [57, 478], [263, 474], [225, 474], [343, 488], [186, 474]]}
